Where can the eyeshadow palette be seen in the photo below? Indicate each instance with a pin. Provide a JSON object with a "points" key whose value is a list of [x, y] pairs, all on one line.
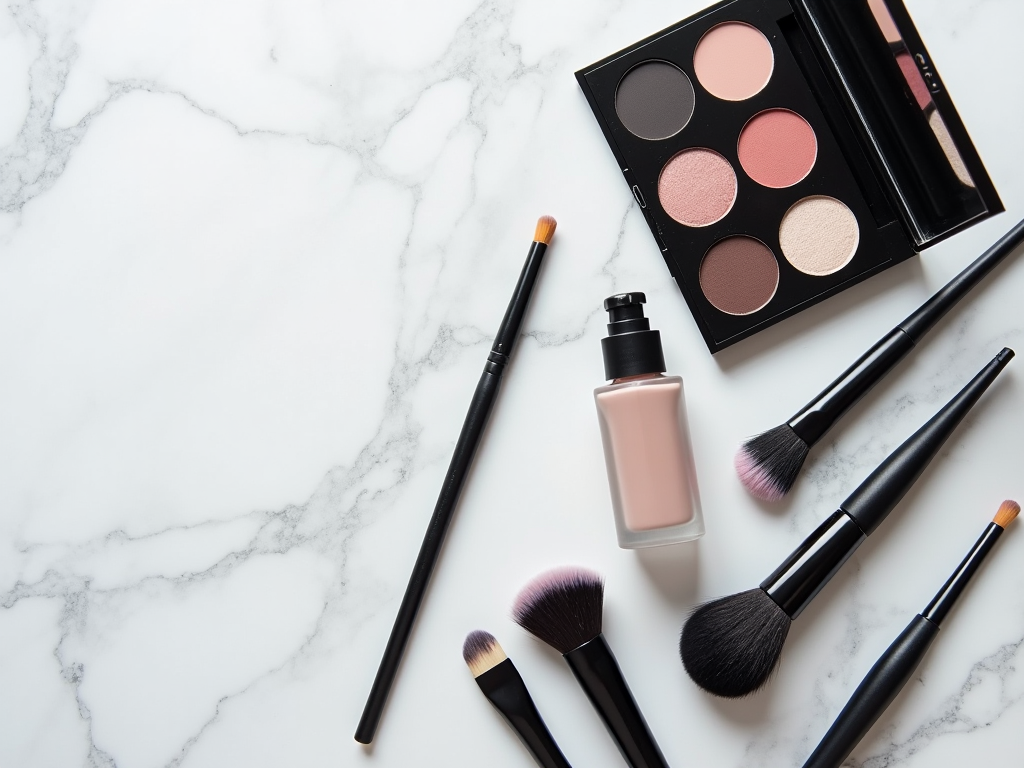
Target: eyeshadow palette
{"points": [[783, 150]]}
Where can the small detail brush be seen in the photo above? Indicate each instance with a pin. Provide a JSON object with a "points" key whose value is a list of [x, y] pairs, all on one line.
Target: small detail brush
{"points": [[894, 668], [731, 646], [768, 464], [564, 607], [462, 459], [503, 686]]}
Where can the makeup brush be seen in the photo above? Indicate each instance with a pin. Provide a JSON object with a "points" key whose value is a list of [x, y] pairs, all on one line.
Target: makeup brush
{"points": [[769, 463], [472, 429], [563, 607], [503, 686], [892, 670], [731, 646]]}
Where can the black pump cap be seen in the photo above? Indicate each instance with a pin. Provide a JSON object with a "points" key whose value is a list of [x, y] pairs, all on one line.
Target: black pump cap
{"points": [[631, 348]]}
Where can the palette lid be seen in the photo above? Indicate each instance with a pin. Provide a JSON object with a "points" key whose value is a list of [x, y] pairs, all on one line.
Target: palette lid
{"points": [[903, 115]]}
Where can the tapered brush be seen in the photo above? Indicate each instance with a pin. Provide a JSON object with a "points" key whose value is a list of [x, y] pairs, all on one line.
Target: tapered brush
{"points": [[731, 646], [768, 464], [564, 608], [503, 686], [480, 408], [894, 668]]}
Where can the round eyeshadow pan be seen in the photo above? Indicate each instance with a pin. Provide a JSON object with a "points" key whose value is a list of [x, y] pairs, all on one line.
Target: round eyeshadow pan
{"points": [[654, 100], [697, 187], [777, 148], [739, 275], [819, 235], [733, 61]]}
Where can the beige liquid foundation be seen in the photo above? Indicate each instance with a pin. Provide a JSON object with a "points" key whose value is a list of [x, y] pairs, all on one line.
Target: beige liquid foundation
{"points": [[651, 473]]}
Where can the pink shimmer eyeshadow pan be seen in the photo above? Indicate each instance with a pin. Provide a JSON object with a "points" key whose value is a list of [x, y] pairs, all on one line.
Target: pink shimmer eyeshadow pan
{"points": [[697, 187]]}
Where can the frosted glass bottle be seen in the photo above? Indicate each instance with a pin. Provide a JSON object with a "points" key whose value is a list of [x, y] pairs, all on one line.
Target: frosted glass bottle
{"points": [[651, 472]]}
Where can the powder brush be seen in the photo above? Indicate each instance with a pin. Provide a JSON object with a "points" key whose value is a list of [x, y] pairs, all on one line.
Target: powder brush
{"points": [[564, 607], [503, 686], [480, 408], [894, 668], [768, 464], [731, 646]]}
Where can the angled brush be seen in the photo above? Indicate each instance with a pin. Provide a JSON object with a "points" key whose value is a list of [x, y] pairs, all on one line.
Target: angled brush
{"points": [[893, 669], [731, 646], [503, 686], [768, 464], [564, 607]]}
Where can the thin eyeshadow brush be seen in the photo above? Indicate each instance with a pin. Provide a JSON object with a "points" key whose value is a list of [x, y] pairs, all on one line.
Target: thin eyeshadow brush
{"points": [[503, 686], [564, 608], [731, 646], [769, 463], [472, 429], [894, 668]]}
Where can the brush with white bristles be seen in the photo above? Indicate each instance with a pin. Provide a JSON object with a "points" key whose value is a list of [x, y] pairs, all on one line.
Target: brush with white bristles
{"points": [[564, 607], [731, 646], [768, 464], [503, 686], [894, 668]]}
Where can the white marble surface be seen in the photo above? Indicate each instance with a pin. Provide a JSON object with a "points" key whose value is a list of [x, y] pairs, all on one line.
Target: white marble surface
{"points": [[251, 255]]}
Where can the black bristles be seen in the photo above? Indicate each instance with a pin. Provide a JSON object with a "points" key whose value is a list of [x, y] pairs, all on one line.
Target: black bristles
{"points": [[562, 607], [768, 464], [731, 646]]}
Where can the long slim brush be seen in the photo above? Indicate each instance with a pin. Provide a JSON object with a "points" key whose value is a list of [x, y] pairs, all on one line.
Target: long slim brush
{"points": [[564, 608], [731, 646], [768, 464], [894, 668], [465, 449], [503, 686]]}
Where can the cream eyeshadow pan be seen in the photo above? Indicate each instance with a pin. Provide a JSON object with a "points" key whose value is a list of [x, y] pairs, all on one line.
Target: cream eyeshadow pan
{"points": [[738, 148]]}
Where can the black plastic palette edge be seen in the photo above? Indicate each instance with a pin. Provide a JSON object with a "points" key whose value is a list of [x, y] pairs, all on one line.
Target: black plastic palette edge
{"points": [[883, 242]]}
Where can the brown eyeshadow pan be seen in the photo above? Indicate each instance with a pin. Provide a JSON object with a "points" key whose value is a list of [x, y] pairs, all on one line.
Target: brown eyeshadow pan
{"points": [[739, 275]]}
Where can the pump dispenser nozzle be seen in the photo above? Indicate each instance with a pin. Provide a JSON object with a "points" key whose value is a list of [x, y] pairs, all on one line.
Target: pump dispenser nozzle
{"points": [[631, 348]]}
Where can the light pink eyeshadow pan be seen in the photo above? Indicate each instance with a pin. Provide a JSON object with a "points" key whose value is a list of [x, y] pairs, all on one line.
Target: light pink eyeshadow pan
{"points": [[733, 61], [697, 187]]}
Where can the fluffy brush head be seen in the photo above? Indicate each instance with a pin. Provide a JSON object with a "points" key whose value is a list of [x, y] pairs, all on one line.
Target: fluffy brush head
{"points": [[731, 646], [769, 463], [562, 607], [1008, 510], [482, 652], [545, 230]]}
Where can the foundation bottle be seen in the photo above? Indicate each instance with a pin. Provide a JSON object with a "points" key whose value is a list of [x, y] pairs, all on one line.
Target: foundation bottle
{"points": [[651, 474]]}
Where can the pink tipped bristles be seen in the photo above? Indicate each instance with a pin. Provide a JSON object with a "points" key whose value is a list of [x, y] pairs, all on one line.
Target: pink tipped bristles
{"points": [[556, 578], [757, 481]]}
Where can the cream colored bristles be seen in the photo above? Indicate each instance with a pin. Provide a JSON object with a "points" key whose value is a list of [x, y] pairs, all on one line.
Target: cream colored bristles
{"points": [[1007, 511], [482, 652]]}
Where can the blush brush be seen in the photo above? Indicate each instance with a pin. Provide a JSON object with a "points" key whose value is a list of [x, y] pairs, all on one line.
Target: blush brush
{"points": [[564, 608], [731, 646], [768, 464], [503, 686], [893, 669]]}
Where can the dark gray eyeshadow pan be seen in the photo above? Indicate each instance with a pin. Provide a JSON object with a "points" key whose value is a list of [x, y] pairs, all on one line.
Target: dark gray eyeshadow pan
{"points": [[654, 100]]}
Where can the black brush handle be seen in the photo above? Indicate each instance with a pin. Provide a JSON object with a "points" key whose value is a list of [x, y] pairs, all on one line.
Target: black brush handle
{"points": [[875, 498], [811, 565], [891, 672], [809, 568], [472, 429], [817, 417], [933, 310], [599, 675], [504, 688], [876, 692], [944, 599]]}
